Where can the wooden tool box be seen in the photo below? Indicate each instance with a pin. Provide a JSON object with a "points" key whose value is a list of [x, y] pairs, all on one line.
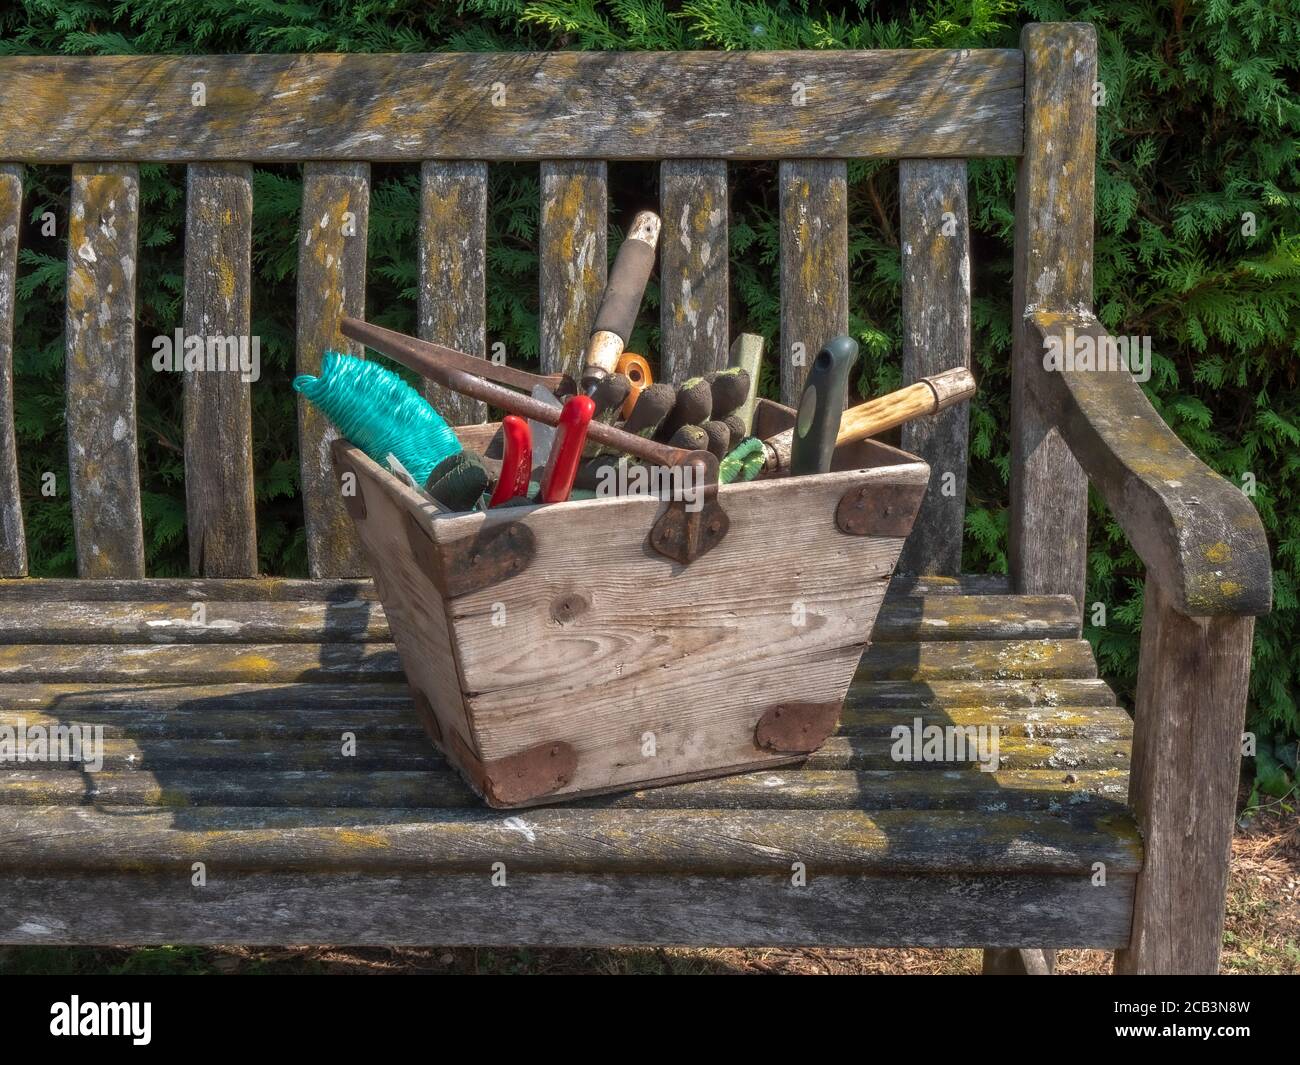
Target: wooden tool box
{"points": [[578, 648]]}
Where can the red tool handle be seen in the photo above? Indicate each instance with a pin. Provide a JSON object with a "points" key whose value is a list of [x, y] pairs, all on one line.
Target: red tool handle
{"points": [[518, 461], [566, 451]]}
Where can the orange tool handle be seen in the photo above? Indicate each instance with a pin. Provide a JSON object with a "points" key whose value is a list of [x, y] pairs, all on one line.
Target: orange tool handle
{"points": [[637, 371]]}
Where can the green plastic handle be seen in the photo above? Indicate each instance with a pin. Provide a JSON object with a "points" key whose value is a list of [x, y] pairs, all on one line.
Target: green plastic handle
{"points": [[822, 406]]}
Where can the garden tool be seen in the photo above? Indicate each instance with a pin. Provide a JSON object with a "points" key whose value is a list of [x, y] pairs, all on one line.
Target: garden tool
{"points": [[459, 481], [517, 465], [729, 389], [929, 395], [821, 406], [566, 453], [718, 437], [622, 300], [747, 354], [414, 354], [652, 407], [693, 406], [637, 372]]}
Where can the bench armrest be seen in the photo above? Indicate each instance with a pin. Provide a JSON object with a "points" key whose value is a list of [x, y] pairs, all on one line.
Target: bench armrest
{"points": [[1197, 534]]}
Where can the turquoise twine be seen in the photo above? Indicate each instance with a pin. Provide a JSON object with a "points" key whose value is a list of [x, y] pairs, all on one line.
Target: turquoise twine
{"points": [[744, 463], [380, 413]]}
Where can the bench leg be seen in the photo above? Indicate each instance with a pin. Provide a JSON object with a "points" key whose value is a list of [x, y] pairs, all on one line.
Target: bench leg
{"points": [[1021, 962], [1193, 675]]}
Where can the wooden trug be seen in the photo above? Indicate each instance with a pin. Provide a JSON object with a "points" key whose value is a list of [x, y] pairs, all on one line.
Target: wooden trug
{"points": [[525, 628]]}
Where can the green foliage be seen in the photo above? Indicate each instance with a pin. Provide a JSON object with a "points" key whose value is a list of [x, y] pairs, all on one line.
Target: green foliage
{"points": [[1197, 245]]}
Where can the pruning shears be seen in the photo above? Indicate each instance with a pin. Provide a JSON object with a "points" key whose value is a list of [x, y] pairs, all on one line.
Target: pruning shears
{"points": [[517, 464], [566, 451]]}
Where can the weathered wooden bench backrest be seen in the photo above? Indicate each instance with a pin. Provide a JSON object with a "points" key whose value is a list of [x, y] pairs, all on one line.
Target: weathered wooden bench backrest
{"points": [[454, 114]]}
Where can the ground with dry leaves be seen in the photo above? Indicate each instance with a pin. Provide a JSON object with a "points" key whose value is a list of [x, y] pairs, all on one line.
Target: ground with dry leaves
{"points": [[1262, 937]]}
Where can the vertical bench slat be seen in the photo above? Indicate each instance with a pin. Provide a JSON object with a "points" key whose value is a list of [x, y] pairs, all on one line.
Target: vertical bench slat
{"points": [[219, 505], [936, 337], [453, 272], [331, 286], [814, 264], [1053, 271], [100, 337], [574, 259], [693, 274], [13, 543]]}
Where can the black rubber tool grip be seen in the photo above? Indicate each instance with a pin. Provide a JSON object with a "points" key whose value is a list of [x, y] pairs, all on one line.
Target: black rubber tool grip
{"points": [[627, 281], [822, 406]]}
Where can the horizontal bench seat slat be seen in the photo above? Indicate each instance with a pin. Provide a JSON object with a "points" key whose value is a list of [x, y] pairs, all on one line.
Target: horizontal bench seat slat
{"points": [[166, 753], [384, 708], [901, 618], [570, 839], [269, 662], [627, 105], [290, 589], [953, 789], [573, 910]]}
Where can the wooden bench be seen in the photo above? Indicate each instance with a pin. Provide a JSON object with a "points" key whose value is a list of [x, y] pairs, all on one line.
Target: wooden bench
{"points": [[264, 777]]}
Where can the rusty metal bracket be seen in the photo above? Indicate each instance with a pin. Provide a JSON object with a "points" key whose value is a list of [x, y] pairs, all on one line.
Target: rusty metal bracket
{"points": [[684, 534], [796, 728], [519, 778], [876, 509], [472, 563]]}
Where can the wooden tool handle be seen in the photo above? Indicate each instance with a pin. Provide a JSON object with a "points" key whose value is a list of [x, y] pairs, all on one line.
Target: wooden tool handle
{"points": [[929, 395], [428, 361]]}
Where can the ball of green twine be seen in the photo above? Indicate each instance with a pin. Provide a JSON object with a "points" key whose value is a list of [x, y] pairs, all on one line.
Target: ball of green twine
{"points": [[380, 413]]}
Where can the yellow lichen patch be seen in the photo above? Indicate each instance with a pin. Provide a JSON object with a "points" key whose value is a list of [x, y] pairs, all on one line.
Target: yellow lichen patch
{"points": [[253, 664], [355, 840], [1230, 588], [226, 279], [1218, 553]]}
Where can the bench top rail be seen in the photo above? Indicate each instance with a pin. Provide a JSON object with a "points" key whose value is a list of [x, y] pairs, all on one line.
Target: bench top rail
{"points": [[523, 105]]}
